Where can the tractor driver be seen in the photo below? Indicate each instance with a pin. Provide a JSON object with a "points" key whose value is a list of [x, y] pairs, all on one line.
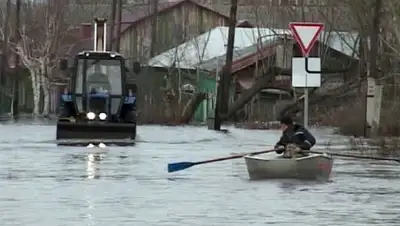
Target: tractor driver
{"points": [[98, 81]]}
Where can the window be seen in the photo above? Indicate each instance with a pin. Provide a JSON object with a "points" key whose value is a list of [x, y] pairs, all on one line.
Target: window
{"points": [[79, 77], [101, 76]]}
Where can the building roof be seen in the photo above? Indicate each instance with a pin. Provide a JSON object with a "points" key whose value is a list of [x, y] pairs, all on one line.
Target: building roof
{"points": [[208, 50]]}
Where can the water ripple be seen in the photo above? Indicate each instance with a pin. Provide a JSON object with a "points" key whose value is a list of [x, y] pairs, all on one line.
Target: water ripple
{"points": [[130, 185]]}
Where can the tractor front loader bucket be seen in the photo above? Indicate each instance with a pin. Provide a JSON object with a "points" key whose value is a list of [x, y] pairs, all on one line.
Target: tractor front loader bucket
{"points": [[85, 133]]}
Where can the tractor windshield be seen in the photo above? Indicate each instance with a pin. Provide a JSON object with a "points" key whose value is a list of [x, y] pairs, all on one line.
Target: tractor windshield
{"points": [[102, 76]]}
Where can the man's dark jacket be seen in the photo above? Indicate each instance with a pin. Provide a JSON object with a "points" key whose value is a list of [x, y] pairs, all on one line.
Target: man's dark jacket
{"points": [[297, 135]]}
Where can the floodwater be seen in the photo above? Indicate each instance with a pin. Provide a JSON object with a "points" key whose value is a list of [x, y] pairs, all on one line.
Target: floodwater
{"points": [[41, 184]]}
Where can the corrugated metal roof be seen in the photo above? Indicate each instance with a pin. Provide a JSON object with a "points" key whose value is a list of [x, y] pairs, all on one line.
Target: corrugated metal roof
{"points": [[208, 50]]}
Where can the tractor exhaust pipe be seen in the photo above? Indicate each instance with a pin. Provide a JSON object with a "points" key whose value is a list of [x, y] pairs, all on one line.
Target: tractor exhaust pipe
{"points": [[99, 35]]}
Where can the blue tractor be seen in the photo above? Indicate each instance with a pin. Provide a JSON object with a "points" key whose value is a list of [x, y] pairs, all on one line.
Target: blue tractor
{"points": [[98, 106]]}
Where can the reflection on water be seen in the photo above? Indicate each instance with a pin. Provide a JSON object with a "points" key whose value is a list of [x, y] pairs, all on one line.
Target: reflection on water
{"points": [[93, 165], [93, 161], [90, 207], [90, 161]]}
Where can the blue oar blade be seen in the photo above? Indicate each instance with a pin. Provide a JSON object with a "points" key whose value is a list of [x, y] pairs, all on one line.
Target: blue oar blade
{"points": [[172, 167]]}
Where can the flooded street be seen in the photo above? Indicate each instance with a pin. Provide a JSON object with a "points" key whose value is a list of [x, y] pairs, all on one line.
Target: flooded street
{"points": [[41, 184]]}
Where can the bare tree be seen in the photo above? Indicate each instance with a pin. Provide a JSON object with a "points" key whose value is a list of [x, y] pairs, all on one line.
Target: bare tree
{"points": [[113, 19], [84, 11], [375, 48], [119, 20], [5, 34], [17, 77], [153, 8], [41, 38]]}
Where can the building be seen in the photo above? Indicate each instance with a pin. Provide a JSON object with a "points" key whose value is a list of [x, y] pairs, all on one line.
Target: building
{"points": [[177, 21], [199, 59], [194, 64]]}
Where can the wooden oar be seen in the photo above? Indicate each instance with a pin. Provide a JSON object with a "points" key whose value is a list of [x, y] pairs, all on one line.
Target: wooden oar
{"points": [[172, 167], [355, 156]]}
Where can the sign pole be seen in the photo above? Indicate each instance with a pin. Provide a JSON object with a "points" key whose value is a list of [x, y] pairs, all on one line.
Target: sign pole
{"points": [[306, 107], [305, 122]]}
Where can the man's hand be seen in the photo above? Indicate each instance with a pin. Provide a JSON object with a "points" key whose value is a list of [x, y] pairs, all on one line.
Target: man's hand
{"points": [[279, 149]]}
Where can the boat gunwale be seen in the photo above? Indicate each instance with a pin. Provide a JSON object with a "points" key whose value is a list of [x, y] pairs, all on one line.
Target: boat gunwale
{"points": [[253, 157]]}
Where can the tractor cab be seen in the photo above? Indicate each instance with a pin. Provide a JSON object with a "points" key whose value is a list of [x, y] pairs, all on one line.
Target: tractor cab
{"points": [[98, 83]]}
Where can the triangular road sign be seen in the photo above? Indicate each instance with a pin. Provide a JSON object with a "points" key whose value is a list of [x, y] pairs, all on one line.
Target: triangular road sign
{"points": [[306, 34]]}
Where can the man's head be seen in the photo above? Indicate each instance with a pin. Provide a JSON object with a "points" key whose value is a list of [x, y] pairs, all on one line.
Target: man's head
{"points": [[286, 121]]}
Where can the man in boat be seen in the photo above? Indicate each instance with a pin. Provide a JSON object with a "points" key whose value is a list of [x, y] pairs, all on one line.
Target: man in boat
{"points": [[295, 139]]}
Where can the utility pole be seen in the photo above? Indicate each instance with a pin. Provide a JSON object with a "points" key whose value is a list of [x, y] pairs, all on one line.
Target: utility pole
{"points": [[17, 37], [154, 13], [113, 20], [226, 76], [119, 20], [224, 82]]}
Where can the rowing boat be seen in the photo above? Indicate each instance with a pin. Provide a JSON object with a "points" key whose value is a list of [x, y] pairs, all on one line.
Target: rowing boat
{"points": [[309, 167]]}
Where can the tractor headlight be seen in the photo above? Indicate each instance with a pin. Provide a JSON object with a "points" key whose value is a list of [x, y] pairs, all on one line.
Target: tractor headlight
{"points": [[102, 116], [91, 115]]}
